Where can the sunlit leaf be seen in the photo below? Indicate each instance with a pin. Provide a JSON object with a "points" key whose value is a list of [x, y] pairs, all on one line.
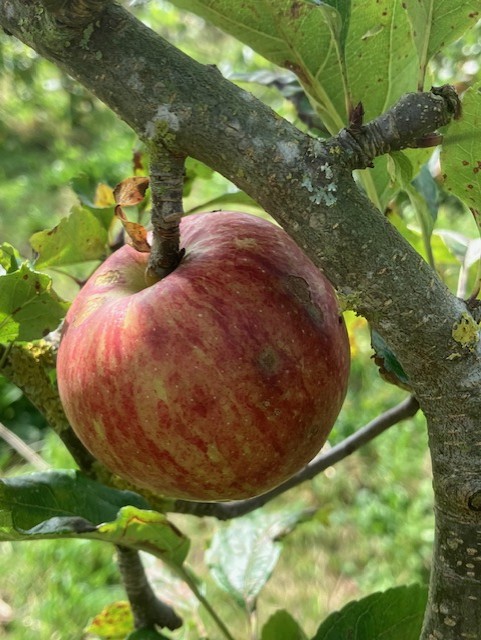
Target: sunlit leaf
{"points": [[436, 23], [148, 531], [9, 258], [104, 196], [66, 504], [461, 152], [80, 237], [380, 57], [396, 614], [29, 307], [243, 554]]}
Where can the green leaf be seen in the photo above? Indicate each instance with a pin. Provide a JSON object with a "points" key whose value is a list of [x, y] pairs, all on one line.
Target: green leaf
{"points": [[396, 614], [461, 152], [242, 556], [148, 531], [58, 504], [29, 307], [389, 366], [282, 626], [436, 23], [80, 237], [27, 501], [9, 258], [381, 60], [306, 38]]}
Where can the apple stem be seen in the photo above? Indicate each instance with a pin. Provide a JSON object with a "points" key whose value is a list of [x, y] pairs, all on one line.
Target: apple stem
{"points": [[166, 185]]}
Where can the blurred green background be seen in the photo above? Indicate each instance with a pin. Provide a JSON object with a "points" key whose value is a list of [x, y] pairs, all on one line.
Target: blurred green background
{"points": [[374, 525]]}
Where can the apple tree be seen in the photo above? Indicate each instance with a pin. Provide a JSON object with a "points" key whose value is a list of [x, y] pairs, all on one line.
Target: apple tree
{"points": [[372, 123]]}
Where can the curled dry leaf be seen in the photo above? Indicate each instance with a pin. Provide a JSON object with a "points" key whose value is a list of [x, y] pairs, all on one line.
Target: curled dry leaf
{"points": [[131, 191], [136, 232]]}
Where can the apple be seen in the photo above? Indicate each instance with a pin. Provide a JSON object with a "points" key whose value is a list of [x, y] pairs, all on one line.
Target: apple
{"points": [[219, 381]]}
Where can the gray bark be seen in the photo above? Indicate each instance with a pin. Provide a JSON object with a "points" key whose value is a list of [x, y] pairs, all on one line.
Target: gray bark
{"points": [[307, 186]]}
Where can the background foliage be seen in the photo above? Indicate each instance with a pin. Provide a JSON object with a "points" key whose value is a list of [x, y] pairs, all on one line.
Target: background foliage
{"points": [[372, 524]]}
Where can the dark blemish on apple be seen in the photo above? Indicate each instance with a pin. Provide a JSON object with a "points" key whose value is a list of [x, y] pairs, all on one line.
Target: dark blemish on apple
{"points": [[268, 360], [299, 288]]}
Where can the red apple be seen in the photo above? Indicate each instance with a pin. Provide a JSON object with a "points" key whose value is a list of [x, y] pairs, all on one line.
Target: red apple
{"points": [[219, 381]]}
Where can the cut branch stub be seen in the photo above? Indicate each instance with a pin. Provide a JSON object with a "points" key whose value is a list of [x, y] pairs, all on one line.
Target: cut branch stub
{"points": [[411, 122]]}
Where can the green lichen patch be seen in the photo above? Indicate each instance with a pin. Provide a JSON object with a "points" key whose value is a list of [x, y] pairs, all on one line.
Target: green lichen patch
{"points": [[466, 332]]}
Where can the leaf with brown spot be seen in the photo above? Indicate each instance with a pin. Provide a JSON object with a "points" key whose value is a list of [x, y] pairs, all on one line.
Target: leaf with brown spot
{"points": [[131, 191], [114, 622], [80, 237], [136, 232], [461, 152], [29, 307]]}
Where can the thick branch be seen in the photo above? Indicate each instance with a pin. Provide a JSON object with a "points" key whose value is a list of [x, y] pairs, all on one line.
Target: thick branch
{"points": [[228, 510]]}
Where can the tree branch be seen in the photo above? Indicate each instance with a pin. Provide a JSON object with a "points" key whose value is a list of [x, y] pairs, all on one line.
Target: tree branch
{"points": [[235, 509]]}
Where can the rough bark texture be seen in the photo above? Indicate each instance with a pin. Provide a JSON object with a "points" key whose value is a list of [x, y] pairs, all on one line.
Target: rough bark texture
{"points": [[169, 99]]}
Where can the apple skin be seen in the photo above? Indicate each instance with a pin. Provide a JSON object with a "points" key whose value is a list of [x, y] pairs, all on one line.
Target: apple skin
{"points": [[217, 382]]}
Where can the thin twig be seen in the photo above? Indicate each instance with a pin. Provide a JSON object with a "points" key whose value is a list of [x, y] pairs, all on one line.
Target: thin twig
{"points": [[148, 611], [22, 448], [234, 509]]}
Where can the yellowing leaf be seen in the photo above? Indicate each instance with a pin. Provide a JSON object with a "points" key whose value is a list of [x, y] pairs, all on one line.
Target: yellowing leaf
{"points": [[114, 622], [131, 191], [104, 196]]}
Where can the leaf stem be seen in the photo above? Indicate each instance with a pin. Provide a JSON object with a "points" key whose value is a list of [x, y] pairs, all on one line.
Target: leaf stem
{"points": [[189, 580]]}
